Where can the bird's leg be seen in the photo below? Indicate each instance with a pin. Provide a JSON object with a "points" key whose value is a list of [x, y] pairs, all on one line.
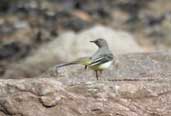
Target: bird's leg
{"points": [[85, 67], [97, 77]]}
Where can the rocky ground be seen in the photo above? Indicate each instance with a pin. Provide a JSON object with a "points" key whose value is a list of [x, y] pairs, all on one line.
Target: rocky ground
{"points": [[129, 90], [36, 35]]}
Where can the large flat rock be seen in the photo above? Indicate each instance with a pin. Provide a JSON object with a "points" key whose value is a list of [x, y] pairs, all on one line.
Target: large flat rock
{"points": [[130, 67], [139, 86]]}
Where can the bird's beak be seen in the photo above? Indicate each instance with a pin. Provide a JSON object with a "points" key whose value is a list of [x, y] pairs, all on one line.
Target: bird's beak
{"points": [[92, 41]]}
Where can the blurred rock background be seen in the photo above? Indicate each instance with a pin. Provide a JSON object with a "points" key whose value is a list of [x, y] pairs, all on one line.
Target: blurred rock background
{"points": [[37, 34]]}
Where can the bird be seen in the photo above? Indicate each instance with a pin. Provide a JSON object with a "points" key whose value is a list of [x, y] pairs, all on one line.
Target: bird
{"points": [[102, 59]]}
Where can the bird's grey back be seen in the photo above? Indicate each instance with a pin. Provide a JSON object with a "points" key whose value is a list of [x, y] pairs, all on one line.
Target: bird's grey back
{"points": [[102, 52]]}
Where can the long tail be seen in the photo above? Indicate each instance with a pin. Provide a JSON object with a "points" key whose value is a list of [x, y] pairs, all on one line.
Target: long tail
{"points": [[84, 61], [66, 64]]}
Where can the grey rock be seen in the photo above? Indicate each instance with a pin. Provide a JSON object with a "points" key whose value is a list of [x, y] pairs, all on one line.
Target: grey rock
{"points": [[143, 66], [70, 46], [139, 87]]}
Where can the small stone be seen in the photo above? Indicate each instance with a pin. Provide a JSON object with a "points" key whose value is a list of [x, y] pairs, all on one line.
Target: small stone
{"points": [[50, 100]]}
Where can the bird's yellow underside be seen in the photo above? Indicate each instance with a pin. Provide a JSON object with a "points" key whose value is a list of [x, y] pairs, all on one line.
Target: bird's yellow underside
{"points": [[101, 66], [87, 61]]}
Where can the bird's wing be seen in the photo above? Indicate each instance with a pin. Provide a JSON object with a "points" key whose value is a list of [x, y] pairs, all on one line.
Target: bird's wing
{"points": [[101, 59]]}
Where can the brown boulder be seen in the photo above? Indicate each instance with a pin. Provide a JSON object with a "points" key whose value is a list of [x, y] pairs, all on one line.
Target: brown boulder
{"points": [[139, 87]]}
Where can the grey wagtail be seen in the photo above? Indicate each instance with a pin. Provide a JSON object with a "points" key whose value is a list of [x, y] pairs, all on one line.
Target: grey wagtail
{"points": [[100, 60]]}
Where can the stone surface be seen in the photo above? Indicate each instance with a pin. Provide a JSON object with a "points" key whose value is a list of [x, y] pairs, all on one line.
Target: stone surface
{"points": [[150, 66], [139, 87], [70, 46]]}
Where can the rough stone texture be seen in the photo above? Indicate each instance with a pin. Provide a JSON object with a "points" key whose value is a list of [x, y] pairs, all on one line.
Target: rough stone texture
{"points": [[129, 66], [139, 87], [70, 46]]}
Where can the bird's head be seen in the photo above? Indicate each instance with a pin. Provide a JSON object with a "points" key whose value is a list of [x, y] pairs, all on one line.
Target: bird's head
{"points": [[100, 42]]}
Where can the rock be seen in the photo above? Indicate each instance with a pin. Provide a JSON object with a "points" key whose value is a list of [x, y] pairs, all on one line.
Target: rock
{"points": [[143, 66], [76, 24], [13, 50], [139, 87], [51, 99], [70, 46], [78, 45]]}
